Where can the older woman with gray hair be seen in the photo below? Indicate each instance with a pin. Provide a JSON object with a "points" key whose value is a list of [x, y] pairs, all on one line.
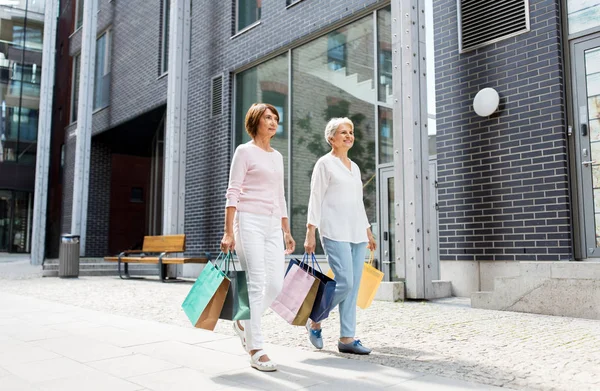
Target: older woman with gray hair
{"points": [[336, 208]]}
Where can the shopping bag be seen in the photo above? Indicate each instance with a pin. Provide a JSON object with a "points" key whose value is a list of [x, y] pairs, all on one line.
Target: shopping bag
{"points": [[326, 288], [204, 302], [369, 282], [237, 304], [297, 294]]}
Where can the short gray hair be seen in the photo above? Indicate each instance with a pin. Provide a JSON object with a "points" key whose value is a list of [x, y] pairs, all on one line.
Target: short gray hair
{"points": [[334, 124]]}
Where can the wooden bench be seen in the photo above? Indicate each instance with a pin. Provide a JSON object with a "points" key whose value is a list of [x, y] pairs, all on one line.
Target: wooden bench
{"points": [[155, 250]]}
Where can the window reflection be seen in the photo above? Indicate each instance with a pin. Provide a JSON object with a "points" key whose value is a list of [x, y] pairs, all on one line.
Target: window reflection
{"points": [[583, 15], [332, 76], [266, 83], [21, 41]]}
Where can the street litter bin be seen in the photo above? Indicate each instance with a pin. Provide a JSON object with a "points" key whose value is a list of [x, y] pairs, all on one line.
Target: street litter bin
{"points": [[68, 256]]}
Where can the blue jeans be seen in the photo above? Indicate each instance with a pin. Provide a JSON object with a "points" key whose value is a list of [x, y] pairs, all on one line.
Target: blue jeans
{"points": [[346, 261]]}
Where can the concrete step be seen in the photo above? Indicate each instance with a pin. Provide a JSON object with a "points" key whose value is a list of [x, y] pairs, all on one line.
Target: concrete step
{"points": [[84, 272], [99, 267]]}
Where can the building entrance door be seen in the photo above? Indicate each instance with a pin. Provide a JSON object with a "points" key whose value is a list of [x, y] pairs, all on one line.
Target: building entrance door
{"points": [[387, 221], [5, 220], [586, 85]]}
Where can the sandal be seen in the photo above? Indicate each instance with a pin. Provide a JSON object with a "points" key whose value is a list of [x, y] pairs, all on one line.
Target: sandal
{"points": [[263, 366], [240, 334]]}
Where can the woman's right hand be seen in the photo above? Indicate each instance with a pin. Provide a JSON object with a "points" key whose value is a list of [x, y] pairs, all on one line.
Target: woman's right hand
{"points": [[310, 243], [228, 242]]}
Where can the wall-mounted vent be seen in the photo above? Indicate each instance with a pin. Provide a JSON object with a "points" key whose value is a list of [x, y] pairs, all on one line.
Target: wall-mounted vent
{"points": [[482, 22], [216, 105]]}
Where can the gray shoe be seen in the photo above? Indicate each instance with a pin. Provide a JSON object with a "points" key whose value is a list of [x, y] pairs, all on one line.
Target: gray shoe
{"points": [[353, 347], [314, 336]]}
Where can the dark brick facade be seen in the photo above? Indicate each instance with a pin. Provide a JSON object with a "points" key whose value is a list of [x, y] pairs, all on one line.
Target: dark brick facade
{"points": [[98, 201], [503, 180]]}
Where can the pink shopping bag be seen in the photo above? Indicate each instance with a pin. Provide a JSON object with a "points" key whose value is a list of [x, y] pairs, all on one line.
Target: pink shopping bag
{"points": [[298, 287]]}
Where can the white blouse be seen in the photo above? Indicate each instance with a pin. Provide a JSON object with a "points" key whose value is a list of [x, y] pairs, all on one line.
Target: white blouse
{"points": [[336, 205]]}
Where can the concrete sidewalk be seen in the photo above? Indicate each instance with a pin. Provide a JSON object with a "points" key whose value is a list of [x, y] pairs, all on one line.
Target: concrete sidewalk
{"points": [[50, 346]]}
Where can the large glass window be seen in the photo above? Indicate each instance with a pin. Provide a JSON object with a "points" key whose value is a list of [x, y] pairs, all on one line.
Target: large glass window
{"points": [[102, 71], [583, 15], [333, 76], [21, 38], [248, 12], [266, 83]]}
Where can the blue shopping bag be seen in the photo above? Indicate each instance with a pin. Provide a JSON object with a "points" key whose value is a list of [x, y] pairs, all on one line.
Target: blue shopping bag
{"points": [[205, 300], [325, 291]]}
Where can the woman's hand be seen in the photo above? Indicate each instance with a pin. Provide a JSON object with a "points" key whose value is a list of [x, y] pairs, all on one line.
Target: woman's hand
{"points": [[372, 245], [228, 242], [290, 243], [310, 243]]}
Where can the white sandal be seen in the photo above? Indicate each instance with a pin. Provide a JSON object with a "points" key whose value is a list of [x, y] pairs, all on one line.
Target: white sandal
{"points": [[264, 366], [240, 334]]}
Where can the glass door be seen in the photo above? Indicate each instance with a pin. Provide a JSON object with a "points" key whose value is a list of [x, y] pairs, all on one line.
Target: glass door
{"points": [[586, 60], [387, 221], [5, 219]]}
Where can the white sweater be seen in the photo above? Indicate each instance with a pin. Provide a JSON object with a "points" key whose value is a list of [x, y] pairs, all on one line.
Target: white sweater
{"points": [[336, 205]]}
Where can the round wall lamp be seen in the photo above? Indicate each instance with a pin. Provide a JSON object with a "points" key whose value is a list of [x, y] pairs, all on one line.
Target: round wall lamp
{"points": [[486, 102]]}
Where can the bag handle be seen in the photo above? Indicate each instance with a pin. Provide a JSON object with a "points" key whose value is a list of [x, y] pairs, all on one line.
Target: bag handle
{"points": [[371, 258], [314, 260], [223, 264], [230, 260]]}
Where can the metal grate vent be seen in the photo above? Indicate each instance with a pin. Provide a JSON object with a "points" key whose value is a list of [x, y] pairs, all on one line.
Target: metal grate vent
{"points": [[217, 96], [482, 22]]}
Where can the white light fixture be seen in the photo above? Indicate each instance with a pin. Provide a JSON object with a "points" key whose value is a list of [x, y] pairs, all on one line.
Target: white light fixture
{"points": [[486, 102]]}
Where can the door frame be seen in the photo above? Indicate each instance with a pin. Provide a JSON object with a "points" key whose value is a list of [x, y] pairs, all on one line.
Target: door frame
{"points": [[578, 90]]}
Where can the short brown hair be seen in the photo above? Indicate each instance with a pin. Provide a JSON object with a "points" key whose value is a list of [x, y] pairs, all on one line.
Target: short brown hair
{"points": [[253, 117]]}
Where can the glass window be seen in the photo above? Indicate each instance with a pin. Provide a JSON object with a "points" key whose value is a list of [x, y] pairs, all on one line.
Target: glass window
{"points": [[6, 207], [79, 20], [164, 67], [583, 15], [266, 83], [384, 54], [332, 76], [248, 12], [30, 37], [75, 87], [21, 41], [21, 229], [386, 140], [102, 71], [336, 50]]}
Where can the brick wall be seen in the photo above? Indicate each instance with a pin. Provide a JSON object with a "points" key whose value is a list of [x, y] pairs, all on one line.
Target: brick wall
{"points": [[503, 187], [96, 244]]}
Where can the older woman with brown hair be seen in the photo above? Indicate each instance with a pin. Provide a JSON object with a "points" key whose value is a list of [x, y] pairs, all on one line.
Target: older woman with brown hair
{"points": [[336, 208], [256, 224]]}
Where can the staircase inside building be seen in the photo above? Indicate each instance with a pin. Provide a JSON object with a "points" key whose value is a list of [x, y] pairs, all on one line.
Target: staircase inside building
{"points": [[363, 90]]}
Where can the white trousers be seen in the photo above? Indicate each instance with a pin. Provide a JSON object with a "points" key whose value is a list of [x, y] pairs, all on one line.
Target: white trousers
{"points": [[259, 246]]}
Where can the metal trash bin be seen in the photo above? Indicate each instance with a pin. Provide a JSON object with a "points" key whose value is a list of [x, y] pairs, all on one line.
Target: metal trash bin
{"points": [[68, 257]]}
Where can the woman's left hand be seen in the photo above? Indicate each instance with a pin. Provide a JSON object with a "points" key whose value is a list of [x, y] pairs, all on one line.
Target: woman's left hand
{"points": [[290, 244], [372, 245]]}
